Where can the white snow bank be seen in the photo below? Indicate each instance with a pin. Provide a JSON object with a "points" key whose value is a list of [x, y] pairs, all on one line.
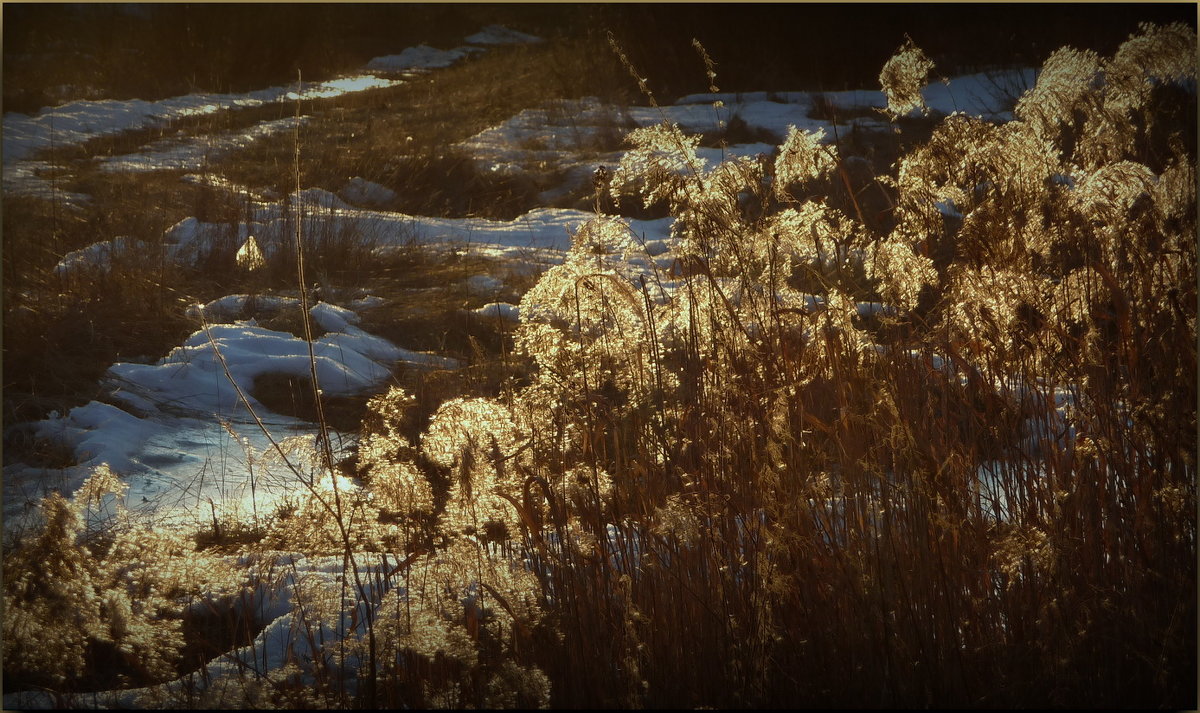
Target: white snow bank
{"points": [[572, 137], [546, 231], [320, 199], [730, 98], [96, 433], [542, 232], [347, 362], [184, 436], [541, 235], [368, 302], [985, 94], [332, 318], [100, 257], [505, 311], [99, 433]]}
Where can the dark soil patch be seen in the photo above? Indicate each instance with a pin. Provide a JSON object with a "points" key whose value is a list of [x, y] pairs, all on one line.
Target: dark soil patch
{"points": [[293, 396]]}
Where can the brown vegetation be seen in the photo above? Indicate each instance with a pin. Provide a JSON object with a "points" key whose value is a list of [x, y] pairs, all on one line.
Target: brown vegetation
{"points": [[732, 486]]}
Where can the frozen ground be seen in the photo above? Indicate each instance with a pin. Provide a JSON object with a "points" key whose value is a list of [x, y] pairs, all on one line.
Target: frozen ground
{"points": [[177, 429]]}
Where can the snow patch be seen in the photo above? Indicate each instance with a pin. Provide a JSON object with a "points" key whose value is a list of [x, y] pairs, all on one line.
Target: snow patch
{"points": [[100, 257], [505, 311], [484, 285], [989, 95], [78, 121], [99, 433], [320, 199], [364, 192], [193, 154], [501, 35], [23, 178], [368, 302], [231, 306], [332, 318], [347, 362], [948, 208], [418, 58]]}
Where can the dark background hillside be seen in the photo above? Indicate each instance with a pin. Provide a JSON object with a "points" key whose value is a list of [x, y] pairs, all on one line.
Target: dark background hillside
{"points": [[58, 52]]}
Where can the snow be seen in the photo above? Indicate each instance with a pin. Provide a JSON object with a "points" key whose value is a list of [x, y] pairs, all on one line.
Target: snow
{"points": [[190, 383], [542, 232], [333, 318], [418, 58], [100, 433], [76, 122], [193, 154], [100, 257], [231, 306], [189, 241], [572, 137], [177, 430], [501, 35], [948, 208], [222, 183], [484, 285], [363, 192], [990, 95], [24, 178], [368, 302], [504, 311], [347, 362], [540, 237], [286, 637], [320, 199]]}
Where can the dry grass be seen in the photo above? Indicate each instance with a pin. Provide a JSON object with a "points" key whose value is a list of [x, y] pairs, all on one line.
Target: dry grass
{"points": [[136, 311], [732, 496], [415, 126]]}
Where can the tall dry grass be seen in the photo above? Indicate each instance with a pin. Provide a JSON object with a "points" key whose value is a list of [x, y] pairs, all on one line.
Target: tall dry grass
{"points": [[746, 483]]}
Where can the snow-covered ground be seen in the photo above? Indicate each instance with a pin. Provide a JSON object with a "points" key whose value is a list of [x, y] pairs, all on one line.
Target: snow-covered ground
{"points": [[194, 154], [178, 430], [571, 137], [181, 431], [79, 121], [165, 425]]}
